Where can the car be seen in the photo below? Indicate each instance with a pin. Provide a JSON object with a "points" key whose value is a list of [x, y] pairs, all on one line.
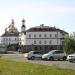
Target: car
{"points": [[3, 48], [71, 57], [54, 54], [32, 55]]}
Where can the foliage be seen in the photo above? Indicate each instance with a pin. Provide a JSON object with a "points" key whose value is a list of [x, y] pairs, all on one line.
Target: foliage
{"points": [[69, 44], [24, 68]]}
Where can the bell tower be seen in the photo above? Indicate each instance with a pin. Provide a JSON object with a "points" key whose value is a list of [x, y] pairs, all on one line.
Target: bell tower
{"points": [[23, 27]]}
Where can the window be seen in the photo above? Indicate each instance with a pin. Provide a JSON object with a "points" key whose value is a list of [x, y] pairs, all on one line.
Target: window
{"points": [[19, 39], [62, 42], [19, 43], [55, 35], [9, 39], [50, 42], [35, 48], [40, 48], [34, 42], [57, 52], [40, 35], [29, 36], [36, 53], [45, 35], [15, 38], [39, 42], [50, 35], [4, 39], [45, 42], [34, 35], [9, 43]]}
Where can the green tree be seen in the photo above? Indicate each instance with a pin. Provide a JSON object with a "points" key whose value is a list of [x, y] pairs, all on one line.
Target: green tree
{"points": [[69, 44]]}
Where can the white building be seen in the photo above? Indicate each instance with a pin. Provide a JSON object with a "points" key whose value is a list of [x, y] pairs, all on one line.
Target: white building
{"points": [[42, 38], [12, 36]]}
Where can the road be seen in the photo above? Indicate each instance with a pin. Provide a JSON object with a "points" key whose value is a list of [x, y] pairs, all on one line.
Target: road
{"points": [[21, 58]]}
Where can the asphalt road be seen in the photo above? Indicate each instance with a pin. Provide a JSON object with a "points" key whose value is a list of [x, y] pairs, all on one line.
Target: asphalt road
{"points": [[20, 57]]}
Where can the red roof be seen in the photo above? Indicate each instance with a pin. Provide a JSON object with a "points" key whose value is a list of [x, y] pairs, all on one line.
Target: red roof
{"points": [[10, 34]]}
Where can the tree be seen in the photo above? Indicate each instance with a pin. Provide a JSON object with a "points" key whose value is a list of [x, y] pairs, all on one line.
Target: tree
{"points": [[69, 44]]}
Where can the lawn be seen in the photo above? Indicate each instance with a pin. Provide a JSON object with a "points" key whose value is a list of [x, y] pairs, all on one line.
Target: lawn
{"points": [[9, 67]]}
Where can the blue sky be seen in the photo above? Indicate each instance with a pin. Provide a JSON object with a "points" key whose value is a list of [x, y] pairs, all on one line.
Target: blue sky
{"points": [[59, 13]]}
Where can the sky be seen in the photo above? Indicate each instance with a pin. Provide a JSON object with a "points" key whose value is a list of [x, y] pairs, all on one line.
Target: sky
{"points": [[58, 13]]}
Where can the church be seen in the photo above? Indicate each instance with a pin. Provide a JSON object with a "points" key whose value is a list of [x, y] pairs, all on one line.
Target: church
{"points": [[41, 38], [12, 37]]}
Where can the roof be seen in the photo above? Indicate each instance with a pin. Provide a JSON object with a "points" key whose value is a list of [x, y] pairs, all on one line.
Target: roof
{"points": [[22, 33], [43, 28], [10, 34]]}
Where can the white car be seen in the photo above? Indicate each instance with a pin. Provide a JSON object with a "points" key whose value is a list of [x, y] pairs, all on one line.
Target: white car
{"points": [[32, 55], [71, 57], [54, 54]]}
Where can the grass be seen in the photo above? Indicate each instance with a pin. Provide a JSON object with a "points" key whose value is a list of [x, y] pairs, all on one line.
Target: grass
{"points": [[9, 67]]}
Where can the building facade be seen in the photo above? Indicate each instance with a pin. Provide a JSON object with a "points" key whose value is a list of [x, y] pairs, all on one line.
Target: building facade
{"points": [[41, 38], [12, 37], [44, 38]]}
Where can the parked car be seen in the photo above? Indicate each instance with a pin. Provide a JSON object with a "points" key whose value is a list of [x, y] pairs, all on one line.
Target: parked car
{"points": [[71, 57], [32, 55], [3, 48], [54, 54]]}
